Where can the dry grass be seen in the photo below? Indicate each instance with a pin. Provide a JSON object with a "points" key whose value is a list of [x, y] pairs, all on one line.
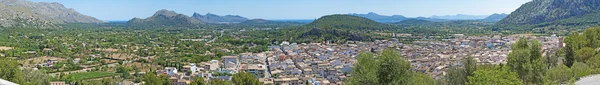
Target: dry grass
{"points": [[121, 56], [38, 60], [142, 67], [5, 48], [107, 49]]}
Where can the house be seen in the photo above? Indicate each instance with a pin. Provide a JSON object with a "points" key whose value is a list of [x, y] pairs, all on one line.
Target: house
{"points": [[170, 70], [288, 81], [190, 68], [257, 69], [230, 61]]}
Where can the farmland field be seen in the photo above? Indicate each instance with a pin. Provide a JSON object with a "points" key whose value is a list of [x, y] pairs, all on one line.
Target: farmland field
{"points": [[90, 75]]}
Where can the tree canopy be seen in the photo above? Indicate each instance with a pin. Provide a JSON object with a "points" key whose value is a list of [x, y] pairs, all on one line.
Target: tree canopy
{"points": [[387, 68]]}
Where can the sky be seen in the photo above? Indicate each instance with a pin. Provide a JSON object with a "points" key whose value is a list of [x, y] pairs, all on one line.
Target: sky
{"points": [[114, 10]]}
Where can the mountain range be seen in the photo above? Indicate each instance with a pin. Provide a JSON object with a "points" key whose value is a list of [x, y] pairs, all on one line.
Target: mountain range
{"points": [[398, 18], [165, 18], [380, 18], [216, 19], [495, 17], [21, 12], [533, 14], [460, 17]]}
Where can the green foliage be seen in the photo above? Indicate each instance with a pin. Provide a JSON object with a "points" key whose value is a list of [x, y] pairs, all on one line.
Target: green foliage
{"points": [[365, 70], [393, 69], [459, 76], [36, 77], [151, 79], [220, 82], [456, 76], [498, 76], [124, 71], [387, 68], [470, 65], [198, 81], [422, 79], [349, 22], [244, 78], [580, 48], [594, 62], [89, 75], [560, 73], [584, 54], [9, 70], [580, 70], [526, 60]]}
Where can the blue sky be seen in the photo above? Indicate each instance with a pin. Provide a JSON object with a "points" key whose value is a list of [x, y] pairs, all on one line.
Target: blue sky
{"points": [[287, 9]]}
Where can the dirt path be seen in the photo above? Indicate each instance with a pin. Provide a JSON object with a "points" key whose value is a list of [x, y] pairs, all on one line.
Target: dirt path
{"points": [[589, 80]]}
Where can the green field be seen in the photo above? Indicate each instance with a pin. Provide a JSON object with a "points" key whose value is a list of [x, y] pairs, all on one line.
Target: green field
{"points": [[90, 75]]}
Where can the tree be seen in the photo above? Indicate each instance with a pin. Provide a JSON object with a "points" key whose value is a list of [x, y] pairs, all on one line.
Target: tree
{"points": [[36, 77], [456, 76], [393, 70], [526, 60], [220, 82], [560, 73], [573, 42], [470, 65], [422, 79], [364, 72], [389, 69], [124, 71], [151, 79], [459, 76], [164, 79], [9, 70], [244, 78], [498, 76], [584, 54], [198, 81]]}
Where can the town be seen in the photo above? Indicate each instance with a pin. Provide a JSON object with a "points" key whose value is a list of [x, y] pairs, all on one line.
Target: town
{"points": [[330, 63]]}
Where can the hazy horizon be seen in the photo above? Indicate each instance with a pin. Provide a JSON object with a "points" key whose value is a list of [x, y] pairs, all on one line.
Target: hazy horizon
{"points": [[120, 10]]}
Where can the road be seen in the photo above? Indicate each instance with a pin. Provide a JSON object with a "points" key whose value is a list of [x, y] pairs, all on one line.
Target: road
{"points": [[589, 80], [213, 40]]}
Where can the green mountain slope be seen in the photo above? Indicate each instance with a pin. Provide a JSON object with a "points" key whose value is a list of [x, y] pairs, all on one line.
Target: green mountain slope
{"points": [[348, 22], [551, 11], [339, 28]]}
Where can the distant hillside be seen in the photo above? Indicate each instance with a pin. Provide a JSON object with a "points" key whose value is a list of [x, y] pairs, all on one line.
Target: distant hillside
{"points": [[495, 17], [348, 22], [554, 12], [257, 21], [165, 18], [269, 22], [19, 12], [381, 18], [459, 17], [340, 28], [413, 22], [216, 19]]}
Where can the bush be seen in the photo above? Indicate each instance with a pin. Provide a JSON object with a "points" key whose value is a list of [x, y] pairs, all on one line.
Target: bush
{"points": [[580, 70], [594, 62], [561, 73]]}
